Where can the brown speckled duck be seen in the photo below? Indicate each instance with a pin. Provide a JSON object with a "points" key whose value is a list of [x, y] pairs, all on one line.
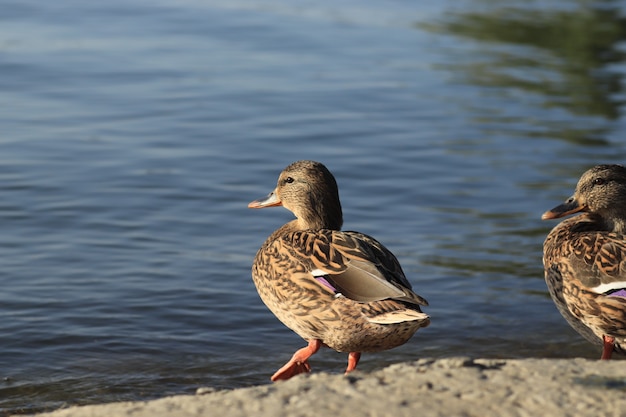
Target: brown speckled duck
{"points": [[584, 258], [343, 290]]}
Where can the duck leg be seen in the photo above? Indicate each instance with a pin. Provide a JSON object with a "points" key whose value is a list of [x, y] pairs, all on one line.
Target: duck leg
{"points": [[298, 363], [353, 360], [608, 344]]}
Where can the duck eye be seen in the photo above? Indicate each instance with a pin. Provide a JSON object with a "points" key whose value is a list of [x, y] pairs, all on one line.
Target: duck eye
{"points": [[599, 181], [288, 180]]}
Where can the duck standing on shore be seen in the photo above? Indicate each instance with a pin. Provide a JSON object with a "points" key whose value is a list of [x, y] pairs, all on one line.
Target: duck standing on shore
{"points": [[343, 290], [584, 258]]}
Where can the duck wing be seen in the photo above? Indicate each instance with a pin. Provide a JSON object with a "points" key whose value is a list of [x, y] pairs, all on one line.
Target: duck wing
{"points": [[597, 260], [353, 264], [586, 276]]}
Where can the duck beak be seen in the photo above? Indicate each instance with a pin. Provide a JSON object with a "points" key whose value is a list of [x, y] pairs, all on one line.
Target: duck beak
{"points": [[271, 200], [569, 207]]}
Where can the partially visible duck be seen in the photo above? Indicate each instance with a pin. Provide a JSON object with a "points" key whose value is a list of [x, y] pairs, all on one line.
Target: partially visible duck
{"points": [[584, 258], [343, 290]]}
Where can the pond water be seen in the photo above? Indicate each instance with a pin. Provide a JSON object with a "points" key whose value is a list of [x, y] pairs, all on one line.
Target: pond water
{"points": [[134, 133]]}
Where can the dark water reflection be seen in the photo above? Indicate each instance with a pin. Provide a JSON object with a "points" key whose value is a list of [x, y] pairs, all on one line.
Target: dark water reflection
{"points": [[560, 59]]}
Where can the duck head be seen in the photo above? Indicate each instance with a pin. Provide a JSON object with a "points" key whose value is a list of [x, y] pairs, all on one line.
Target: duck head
{"points": [[601, 191], [309, 191]]}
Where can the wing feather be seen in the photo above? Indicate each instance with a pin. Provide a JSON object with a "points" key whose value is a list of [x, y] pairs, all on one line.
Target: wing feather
{"points": [[357, 265]]}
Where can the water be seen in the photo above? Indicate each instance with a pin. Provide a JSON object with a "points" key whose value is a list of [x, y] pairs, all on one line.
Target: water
{"points": [[134, 133]]}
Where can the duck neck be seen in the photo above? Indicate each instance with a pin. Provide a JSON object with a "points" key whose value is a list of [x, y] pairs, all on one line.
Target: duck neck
{"points": [[321, 214], [618, 225], [615, 224]]}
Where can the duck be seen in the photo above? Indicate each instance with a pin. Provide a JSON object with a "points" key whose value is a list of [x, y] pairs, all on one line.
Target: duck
{"points": [[338, 289], [584, 258]]}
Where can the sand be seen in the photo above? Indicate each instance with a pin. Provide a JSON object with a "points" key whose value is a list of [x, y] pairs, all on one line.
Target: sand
{"points": [[439, 387]]}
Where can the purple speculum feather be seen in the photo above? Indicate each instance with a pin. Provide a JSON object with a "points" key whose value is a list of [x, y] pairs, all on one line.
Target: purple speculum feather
{"points": [[328, 285], [618, 293]]}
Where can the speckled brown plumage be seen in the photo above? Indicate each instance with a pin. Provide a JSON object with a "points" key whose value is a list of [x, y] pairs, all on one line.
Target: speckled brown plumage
{"points": [[585, 258], [343, 290]]}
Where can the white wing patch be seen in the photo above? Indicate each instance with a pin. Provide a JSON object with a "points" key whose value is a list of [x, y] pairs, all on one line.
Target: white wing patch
{"points": [[318, 273], [604, 288]]}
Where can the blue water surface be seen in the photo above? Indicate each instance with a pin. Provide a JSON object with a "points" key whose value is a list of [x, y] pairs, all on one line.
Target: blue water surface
{"points": [[134, 133]]}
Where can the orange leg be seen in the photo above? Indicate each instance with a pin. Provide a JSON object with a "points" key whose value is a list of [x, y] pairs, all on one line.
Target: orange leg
{"points": [[298, 363], [608, 344], [353, 360]]}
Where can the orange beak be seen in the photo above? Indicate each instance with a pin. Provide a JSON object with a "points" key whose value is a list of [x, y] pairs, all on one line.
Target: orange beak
{"points": [[571, 206], [272, 200]]}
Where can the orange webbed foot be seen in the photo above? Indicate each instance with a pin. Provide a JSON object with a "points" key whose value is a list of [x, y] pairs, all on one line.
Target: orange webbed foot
{"points": [[291, 369], [608, 344], [298, 363], [353, 360]]}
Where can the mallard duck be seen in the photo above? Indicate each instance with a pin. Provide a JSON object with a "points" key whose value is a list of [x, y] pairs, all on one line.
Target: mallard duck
{"points": [[584, 258], [343, 290]]}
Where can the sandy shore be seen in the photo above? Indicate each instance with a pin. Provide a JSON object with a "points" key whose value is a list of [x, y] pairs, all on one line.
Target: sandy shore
{"points": [[444, 387]]}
